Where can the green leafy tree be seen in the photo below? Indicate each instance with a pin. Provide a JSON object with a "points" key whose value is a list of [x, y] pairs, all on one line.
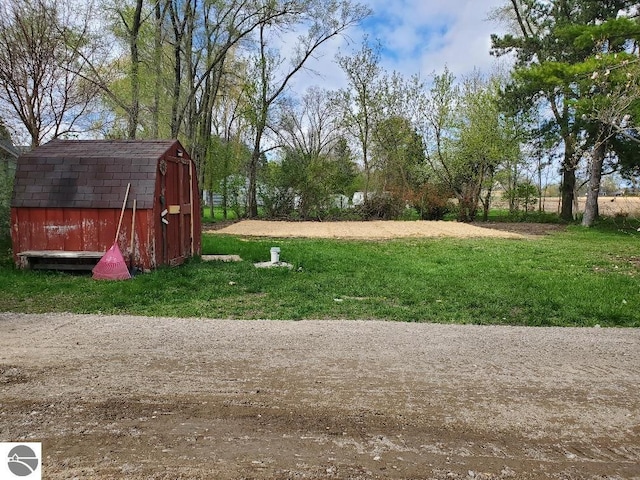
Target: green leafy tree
{"points": [[488, 140], [609, 115], [8, 156], [316, 159], [398, 157], [309, 183], [468, 137], [309, 177], [551, 42], [228, 155], [360, 102], [310, 174], [226, 163], [523, 196], [343, 168], [277, 195], [136, 87]]}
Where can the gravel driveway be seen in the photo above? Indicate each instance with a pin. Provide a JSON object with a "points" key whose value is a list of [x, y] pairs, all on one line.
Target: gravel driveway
{"points": [[163, 398]]}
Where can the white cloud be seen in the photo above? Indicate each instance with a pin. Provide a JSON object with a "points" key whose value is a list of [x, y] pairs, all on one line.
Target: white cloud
{"points": [[418, 37]]}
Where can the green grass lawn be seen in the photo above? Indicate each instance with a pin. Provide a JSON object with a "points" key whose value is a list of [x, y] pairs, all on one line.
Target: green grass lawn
{"points": [[577, 278], [218, 215]]}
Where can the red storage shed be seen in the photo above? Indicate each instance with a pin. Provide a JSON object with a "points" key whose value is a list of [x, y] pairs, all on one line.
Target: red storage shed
{"points": [[68, 197]]}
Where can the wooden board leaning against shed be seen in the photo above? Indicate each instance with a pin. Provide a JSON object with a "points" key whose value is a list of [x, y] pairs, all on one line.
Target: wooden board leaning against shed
{"points": [[68, 197]]}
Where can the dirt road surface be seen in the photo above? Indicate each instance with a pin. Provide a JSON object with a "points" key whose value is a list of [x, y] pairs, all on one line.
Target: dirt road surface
{"points": [[162, 398]]}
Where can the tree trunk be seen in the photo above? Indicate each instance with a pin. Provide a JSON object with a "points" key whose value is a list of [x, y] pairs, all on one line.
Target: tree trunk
{"points": [[595, 176], [134, 111], [486, 204], [262, 113], [568, 187], [225, 195], [157, 59], [468, 203], [513, 185], [253, 177], [189, 126], [252, 197], [567, 194], [178, 32], [540, 200]]}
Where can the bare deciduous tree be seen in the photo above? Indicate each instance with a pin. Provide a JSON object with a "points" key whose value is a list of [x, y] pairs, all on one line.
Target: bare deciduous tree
{"points": [[311, 125], [38, 90], [323, 20]]}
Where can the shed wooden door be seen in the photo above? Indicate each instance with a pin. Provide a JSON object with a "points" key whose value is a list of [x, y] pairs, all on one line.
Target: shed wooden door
{"points": [[179, 197]]}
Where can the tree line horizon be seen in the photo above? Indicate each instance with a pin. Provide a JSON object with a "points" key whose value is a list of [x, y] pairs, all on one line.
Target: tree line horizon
{"points": [[217, 75]]}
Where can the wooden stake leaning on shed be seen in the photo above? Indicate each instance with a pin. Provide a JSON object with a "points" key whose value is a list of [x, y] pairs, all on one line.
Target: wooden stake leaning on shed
{"points": [[112, 265], [132, 269]]}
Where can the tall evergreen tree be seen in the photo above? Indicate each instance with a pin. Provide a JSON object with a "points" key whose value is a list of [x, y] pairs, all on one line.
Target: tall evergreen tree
{"points": [[553, 42]]}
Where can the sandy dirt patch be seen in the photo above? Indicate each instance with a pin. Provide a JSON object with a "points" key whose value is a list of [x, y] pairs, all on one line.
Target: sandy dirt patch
{"points": [[361, 230], [160, 398]]}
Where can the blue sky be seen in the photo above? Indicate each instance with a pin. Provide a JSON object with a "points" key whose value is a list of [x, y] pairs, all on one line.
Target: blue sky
{"points": [[418, 37]]}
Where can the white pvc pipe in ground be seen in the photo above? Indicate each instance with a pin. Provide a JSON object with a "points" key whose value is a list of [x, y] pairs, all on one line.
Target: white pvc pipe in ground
{"points": [[275, 254]]}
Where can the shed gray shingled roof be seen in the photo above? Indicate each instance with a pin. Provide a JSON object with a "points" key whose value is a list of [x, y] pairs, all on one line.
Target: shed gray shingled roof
{"points": [[88, 173]]}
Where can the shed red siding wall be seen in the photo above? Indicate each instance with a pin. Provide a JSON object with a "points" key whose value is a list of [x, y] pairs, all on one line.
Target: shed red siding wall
{"points": [[83, 229]]}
